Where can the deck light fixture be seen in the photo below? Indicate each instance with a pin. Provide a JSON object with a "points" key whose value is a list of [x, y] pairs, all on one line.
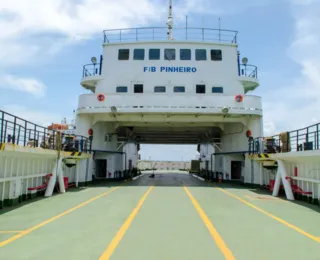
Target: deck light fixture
{"points": [[244, 61], [94, 60], [225, 110]]}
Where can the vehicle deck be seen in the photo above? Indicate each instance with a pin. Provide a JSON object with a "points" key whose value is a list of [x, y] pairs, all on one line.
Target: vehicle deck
{"points": [[173, 216]]}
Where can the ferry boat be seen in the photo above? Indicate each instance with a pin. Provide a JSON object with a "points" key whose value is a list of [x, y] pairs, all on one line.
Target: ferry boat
{"points": [[160, 85], [171, 85]]}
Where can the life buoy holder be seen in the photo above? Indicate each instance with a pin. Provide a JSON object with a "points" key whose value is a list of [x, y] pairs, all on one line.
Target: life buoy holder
{"points": [[100, 97], [248, 133], [90, 132], [239, 98]]}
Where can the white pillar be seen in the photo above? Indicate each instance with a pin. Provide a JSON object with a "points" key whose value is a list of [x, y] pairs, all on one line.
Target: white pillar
{"points": [[282, 174]]}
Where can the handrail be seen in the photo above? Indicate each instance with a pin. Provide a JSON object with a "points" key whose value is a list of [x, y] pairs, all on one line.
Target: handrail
{"points": [[179, 33], [303, 139], [91, 70], [249, 71], [16, 130]]}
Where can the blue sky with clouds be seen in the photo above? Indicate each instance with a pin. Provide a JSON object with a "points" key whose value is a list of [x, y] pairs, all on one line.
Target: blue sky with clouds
{"points": [[44, 44]]}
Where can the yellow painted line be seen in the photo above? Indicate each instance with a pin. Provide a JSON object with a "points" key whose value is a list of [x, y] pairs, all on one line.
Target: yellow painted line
{"points": [[116, 240], [10, 231], [55, 218], [273, 216], [213, 232]]}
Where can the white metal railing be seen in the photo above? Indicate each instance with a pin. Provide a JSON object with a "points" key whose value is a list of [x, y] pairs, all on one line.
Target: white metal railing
{"points": [[179, 34]]}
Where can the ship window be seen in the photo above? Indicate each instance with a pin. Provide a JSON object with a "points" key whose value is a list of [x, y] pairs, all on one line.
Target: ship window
{"points": [[185, 54], [138, 88], [217, 89], [154, 54], [123, 54], [200, 89], [201, 54], [179, 89], [138, 54], [122, 89], [159, 89], [216, 55], [169, 54]]}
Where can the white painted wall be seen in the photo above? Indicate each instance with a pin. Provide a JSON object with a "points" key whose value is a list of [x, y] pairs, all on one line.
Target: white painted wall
{"points": [[128, 72], [131, 154], [206, 150]]}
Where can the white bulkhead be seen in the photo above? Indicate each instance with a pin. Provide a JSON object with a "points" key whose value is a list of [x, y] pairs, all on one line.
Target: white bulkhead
{"points": [[170, 91]]}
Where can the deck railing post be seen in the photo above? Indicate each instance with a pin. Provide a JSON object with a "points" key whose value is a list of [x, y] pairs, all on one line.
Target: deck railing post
{"points": [[18, 137], [25, 133], [317, 137], [2, 137]]}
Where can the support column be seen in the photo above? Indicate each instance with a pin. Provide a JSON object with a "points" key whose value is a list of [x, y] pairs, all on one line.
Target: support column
{"points": [[56, 172], [130, 157], [282, 174]]}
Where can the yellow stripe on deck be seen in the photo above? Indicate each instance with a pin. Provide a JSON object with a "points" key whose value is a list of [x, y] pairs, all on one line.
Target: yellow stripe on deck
{"points": [[273, 216], [116, 240], [26, 232], [213, 232]]}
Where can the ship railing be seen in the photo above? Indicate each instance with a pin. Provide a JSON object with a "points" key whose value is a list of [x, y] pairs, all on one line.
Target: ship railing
{"points": [[248, 71], [18, 131], [304, 139], [178, 33], [91, 70]]}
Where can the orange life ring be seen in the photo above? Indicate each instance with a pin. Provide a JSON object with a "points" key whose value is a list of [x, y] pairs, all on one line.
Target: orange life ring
{"points": [[90, 132], [100, 97], [239, 98]]}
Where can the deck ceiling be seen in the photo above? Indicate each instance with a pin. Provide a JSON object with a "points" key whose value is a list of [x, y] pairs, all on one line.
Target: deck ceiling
{"points": [[168, 135]]}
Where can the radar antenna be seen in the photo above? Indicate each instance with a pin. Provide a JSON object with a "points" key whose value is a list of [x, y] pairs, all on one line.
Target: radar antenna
{"points": [[170, 21]]}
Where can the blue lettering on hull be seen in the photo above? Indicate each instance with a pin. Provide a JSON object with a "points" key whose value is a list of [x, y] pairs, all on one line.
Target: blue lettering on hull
{"points": [[170, 69]]}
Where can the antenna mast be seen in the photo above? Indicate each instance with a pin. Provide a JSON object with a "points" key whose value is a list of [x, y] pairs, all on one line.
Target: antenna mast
{"points": [[170, 22]]}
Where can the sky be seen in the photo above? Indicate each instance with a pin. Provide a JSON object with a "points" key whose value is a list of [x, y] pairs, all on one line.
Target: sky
{"points": [[44, 44]]}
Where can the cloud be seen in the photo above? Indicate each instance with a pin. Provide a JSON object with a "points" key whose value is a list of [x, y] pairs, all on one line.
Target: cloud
{"points": [[34, 116], [42, 26], [28, 28], [295, 106], [28, 85]]}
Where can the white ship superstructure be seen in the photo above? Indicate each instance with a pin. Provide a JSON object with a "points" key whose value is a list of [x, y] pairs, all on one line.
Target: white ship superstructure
{"points": [[170, 86]]}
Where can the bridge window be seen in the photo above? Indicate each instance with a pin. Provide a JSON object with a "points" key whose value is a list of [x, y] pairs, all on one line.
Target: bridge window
{"points": [[138, 54], [179, 89], [122, 89], [185, 54], [201, 54], [159, 89], [138, 88], [216, 55], [200, 89], [154, 54], [217, 89], [123, 54], [169, 54]]}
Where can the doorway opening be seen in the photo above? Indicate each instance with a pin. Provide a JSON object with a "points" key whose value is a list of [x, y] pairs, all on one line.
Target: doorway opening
{"points": [[236, 167], [101, 168]]}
